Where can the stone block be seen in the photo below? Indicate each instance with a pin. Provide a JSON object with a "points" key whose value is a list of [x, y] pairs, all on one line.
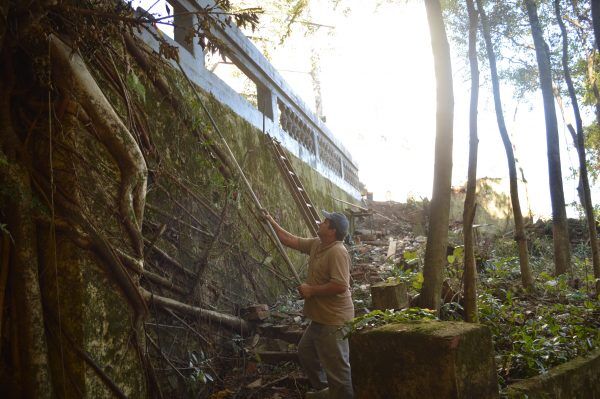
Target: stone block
{"points": [[389, 295], [579, 378], [425, 359]]}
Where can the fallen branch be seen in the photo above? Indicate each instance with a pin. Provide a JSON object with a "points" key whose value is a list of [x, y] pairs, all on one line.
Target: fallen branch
{"points": [[178, 220], [192, 329], [167, 258], [161, 353], [234, 323], [194, 195], [136, 267]]}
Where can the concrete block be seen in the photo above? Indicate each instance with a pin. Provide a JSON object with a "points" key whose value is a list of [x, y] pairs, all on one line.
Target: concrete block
{"points": [[389, 295], [426, 359]]}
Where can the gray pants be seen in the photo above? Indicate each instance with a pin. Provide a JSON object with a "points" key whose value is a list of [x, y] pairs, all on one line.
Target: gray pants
{"points": [[324, 355]]}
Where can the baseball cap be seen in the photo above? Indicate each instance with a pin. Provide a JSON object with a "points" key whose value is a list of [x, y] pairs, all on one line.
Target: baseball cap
{"points": [[340, 220]]}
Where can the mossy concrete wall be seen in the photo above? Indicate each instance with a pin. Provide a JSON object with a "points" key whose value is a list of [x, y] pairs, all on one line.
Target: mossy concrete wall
{"points": [[90, 311], [579, 378], [424, 359]]}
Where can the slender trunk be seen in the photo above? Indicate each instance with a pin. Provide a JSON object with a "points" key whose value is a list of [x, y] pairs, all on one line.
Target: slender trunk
{"points": [[578, 138], [470, 273], [437, 237], [520, 236], [596, 21], [562, 250]]}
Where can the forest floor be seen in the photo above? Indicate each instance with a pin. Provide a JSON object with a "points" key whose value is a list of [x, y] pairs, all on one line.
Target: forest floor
{"points": [[532, 331]]}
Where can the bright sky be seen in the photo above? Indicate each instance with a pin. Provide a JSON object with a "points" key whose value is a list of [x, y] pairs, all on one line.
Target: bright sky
{"points": [[378, 88], [378, 91]]}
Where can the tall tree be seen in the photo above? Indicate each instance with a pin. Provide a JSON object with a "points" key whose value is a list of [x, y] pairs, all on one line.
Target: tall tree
{"points": [[437, 236], [520, 236], [586, 198], [470, 272], [560, 233], [596, 21]]}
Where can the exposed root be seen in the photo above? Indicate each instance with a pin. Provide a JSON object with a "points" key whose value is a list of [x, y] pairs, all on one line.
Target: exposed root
{"points": [[73, 76]]}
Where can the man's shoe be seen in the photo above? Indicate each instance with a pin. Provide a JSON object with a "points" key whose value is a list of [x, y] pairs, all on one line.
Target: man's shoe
{"points": [[322, 394]]}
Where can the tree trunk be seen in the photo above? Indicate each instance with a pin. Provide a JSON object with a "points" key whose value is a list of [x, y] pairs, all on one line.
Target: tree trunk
{"points": [[30, 371], [520, 236], [437, 237], [596, 21], [560, 233], [578, 138], [470, 273]]}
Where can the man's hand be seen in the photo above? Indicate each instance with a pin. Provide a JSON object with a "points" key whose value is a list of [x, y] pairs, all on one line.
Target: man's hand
{"points": [[267, 216], [286, 238], [331, 288], [305, 291]]}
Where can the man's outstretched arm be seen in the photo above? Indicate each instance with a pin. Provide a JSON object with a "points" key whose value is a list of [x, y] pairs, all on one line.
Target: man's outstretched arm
{"points": [[286, 238]]}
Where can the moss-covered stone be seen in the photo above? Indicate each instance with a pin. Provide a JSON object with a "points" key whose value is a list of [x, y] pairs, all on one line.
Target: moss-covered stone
{"points": [[579, 378], [427, 359], [389, 295]]}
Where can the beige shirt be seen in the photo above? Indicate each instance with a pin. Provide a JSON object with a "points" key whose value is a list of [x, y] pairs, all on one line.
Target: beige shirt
{"points": [[328, 263]]}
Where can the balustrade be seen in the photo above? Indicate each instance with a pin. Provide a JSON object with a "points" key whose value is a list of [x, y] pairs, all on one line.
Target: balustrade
{"points": [[280, 111]]}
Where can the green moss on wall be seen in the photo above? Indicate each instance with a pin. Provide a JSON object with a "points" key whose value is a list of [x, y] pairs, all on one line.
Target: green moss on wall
{"points": [[210, 227]]}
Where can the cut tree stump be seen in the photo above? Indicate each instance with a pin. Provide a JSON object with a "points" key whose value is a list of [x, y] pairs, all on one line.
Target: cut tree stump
{"points": [[389, 295]]}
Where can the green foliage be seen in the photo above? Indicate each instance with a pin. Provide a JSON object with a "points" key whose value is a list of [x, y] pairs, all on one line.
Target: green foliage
{"points": [[407, 270], [379, 318], [535, 332], [501, 269], [198, 377], [457, 255], [452, 311], [529, 342], [411, 278]]}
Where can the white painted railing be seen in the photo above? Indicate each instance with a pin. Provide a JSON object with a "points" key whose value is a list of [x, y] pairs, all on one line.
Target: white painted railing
{"points": [[286, 117]]}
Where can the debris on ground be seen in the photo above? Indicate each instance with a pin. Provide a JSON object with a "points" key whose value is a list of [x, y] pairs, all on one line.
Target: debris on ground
{"points": [[387, 250]]}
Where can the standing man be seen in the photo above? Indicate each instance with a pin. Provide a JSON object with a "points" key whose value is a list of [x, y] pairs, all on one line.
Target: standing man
{"points": [[323, 351]]}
